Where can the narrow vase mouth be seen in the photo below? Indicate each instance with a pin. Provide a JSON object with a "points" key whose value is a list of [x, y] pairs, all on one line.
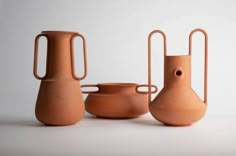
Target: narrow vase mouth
{"points": [[177, 56], [118, 84], [59, 31]]}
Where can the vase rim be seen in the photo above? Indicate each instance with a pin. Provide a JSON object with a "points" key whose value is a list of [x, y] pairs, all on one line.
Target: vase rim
{"points": [[59, 31], [118, 84], [177, 56]]}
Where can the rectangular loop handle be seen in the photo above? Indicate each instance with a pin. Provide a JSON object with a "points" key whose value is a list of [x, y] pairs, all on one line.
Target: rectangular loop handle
{"points": [[35, 69], [72, 57]]}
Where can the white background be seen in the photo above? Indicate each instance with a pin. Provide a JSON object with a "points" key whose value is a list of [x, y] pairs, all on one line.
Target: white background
{"points": [[116, 34]]}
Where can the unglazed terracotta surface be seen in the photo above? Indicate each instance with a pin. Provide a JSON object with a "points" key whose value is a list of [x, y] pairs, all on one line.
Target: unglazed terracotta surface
{"points": [[177, 104], [59, 100], [117, 100]]}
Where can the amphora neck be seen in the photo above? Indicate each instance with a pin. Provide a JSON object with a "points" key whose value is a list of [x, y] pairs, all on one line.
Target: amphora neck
{"points": [[177, 71], [59, 54]]}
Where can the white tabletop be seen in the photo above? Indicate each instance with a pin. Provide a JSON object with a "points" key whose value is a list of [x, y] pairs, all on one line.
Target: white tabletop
{"points": [[22, 136]]}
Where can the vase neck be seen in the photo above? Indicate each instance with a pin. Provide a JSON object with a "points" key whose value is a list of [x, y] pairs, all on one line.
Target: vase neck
{"points": [[59, 55], [177, 71]]}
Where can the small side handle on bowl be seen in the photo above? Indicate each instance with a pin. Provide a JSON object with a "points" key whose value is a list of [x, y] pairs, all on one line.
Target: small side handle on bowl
{"points": [[145, 92], [89, 85]]}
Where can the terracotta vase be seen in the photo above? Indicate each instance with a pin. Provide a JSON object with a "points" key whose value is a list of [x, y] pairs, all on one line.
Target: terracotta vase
{"points": [[117, 100], [177, 104], [60, 100]]}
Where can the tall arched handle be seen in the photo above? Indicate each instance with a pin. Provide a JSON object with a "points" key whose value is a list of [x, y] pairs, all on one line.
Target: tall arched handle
{"points": [[206, 57], [35, 69], [149, 58], [72, 57]]}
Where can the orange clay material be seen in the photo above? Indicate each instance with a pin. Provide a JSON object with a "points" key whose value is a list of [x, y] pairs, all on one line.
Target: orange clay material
{"points": [[177, 104], [117, 100], [59, 100]]}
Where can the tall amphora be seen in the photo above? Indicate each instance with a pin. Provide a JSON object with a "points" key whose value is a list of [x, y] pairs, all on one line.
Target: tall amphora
{"points": [[177, 103], [59, 100]]}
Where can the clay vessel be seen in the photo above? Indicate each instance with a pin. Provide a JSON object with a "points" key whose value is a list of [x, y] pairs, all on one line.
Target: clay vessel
{"points": [[177, 104], [59, 100], [117, 100]]}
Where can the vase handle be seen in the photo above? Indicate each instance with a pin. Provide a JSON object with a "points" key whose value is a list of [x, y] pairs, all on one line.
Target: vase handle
{"points": [[89, 85], [35, 69], [149, 57], [144, 92], [206, 57], [72, 57]]}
